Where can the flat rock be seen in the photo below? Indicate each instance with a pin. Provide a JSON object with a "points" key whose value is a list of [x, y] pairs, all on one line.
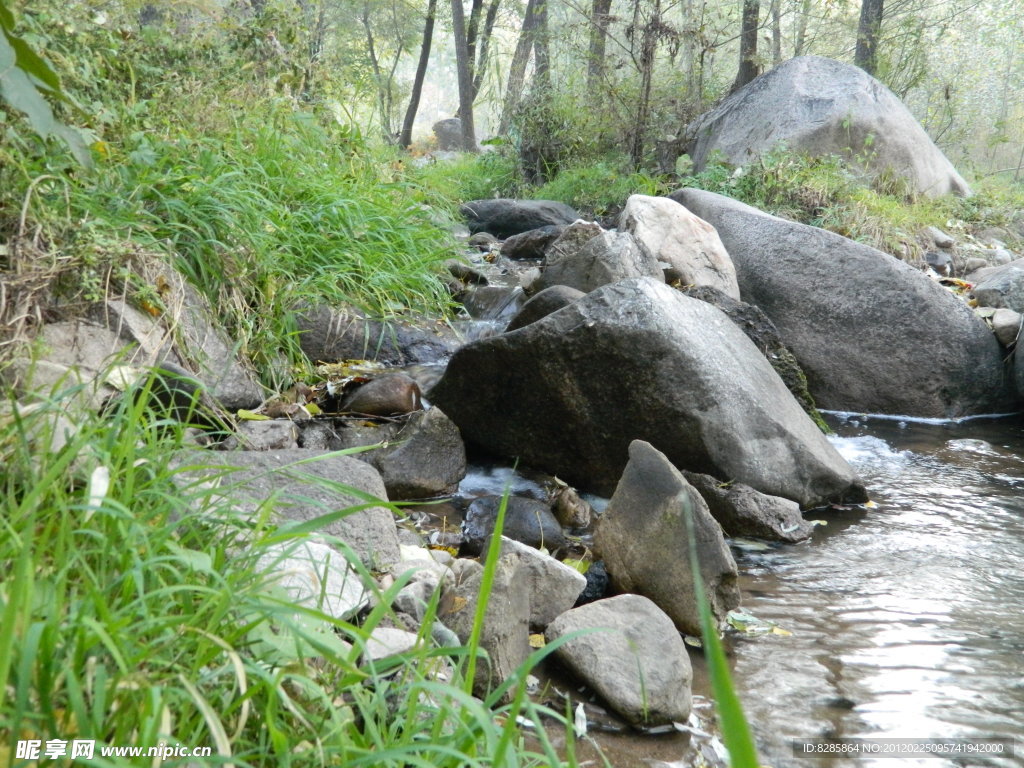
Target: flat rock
{"points": [[504, 218], [300, 492], [637, 662]]}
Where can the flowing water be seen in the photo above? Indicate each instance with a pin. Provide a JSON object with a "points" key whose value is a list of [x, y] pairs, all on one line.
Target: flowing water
{"points": [[907, 620]]}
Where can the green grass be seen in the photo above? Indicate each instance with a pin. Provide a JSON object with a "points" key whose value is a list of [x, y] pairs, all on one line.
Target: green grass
{"points": [[130, 615], [824, 192]]}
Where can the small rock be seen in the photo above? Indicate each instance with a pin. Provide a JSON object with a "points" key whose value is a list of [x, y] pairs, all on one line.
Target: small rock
{"points": [[543, 303], [385, 641], [526, 520], [532, 244], [975, 263], [642, 537], [597, 583], [553, 586], [688, 244], [483, 241], [464, 272], [427, 460], [940, 262], [638, 665], [940, 238], [389, 395], [316, 576], [606, 257], [505, 631], [1006, 326], [742, 511], [570, 510], [273, 435]]}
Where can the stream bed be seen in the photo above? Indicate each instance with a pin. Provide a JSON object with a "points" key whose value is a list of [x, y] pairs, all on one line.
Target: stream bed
{"points": [[907, 620]]}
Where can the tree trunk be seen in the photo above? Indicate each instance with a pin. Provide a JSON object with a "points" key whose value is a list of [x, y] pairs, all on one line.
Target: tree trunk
{"points": [[485, 42], [801, 28], [598, 38], [471, 33], [541, 51], [405, 139], [748, 44], [517, 69], [378, 75], [465, 78], [866, 55], [648, 47], [776, 14]]}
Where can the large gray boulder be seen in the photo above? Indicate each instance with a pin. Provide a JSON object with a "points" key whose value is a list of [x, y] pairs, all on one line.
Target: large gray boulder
{"points": [[635, 661], [605, 258], [503, 217], [639, 360], [298, 486], [689, 248], [871, 333], [821, 106], [642, 538]]}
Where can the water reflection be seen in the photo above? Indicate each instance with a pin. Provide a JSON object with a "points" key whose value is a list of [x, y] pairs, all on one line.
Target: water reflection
{"points": [[907, 622]]}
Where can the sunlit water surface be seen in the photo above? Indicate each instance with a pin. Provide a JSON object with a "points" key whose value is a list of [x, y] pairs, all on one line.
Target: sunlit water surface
{"points": [[907, 620]]}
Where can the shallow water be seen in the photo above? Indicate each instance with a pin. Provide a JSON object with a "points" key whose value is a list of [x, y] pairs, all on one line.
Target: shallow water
{"points": [[907, 620]]}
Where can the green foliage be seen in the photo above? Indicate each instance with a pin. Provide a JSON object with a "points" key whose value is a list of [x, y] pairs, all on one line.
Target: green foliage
{"points": [[825, 192], [132, 616], [601, 188], [26, 81], [493, 173]]}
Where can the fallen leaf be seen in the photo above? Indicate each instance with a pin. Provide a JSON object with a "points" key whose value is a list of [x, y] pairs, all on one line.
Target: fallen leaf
{"points": [[537, 641], [245, 415]]}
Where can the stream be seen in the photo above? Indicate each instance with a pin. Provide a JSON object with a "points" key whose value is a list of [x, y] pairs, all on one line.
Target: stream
{"points": [[907, 620]]}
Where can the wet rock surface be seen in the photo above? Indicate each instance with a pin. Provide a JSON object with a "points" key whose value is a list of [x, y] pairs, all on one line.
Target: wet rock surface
{"points": [[526, 520]]}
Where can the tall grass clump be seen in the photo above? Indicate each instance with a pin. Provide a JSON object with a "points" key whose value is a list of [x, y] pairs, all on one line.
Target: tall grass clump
{"points": [[133, 613]]}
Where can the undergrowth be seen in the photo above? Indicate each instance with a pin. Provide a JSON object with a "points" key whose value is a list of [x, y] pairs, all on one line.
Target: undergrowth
{"points": [[825, 192], [134, 612]]}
